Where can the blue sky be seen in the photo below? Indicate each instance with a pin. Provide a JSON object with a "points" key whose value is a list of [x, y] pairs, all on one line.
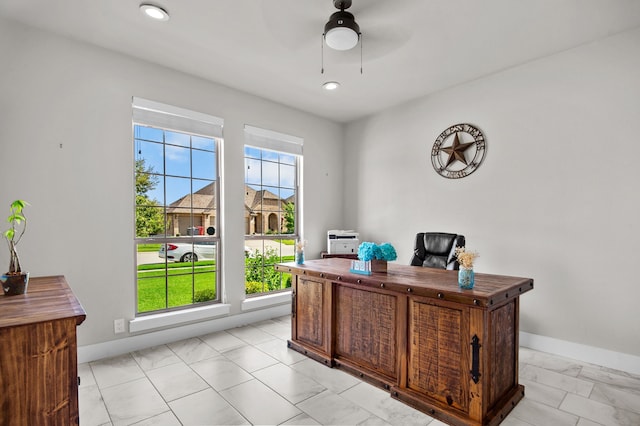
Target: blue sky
{"points": [[187, 156]]}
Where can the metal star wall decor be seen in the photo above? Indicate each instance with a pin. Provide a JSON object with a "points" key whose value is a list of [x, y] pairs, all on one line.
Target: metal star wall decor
{"points": [[460, 157]]}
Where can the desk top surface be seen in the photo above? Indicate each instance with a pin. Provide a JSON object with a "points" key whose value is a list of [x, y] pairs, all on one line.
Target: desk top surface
{"points": [[47, 299], [489, 289]]}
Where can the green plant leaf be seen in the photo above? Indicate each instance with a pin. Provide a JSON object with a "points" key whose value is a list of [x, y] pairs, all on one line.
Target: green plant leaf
{"points": [[9, 233], [17, 218], [18, 205]]}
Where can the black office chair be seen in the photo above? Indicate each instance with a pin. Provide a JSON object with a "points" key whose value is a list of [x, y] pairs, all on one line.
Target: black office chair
{"points": [[437, 250]]}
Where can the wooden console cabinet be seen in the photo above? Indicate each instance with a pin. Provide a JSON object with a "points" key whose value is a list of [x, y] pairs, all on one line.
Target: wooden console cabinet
{"points": [[448, 352], [38, 355]]}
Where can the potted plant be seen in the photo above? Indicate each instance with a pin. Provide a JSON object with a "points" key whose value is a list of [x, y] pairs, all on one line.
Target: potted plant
{"points": [[15, 281], [373, 258]]}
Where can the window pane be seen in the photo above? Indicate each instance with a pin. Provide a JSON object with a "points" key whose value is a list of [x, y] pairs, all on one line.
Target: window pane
{"points": [[150, 221], [287, 195], [203, 164], [289, 217], [253, 171], [148, 133], [179, 288], [151, 155], [287, 176], [151, 293], [179, 193], [260, 273], [175, 138], [269, 173], [177, 161], [269, 155], [152, 272], [205, 285], [252, 152], [287, 159], [270, 198], [199, 142], [150, 187]]}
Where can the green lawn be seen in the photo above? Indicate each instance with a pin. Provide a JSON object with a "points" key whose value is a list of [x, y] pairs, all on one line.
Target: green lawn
{"points": [[148, 247], [181, 285], [162, 286]]}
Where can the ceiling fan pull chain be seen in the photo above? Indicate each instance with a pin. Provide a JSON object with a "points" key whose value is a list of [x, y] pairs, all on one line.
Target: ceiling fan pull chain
{"points": [[322, 53]]}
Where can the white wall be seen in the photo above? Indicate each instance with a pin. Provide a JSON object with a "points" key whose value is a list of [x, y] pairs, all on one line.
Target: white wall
{"points": [[556, 198], [66, 147]]}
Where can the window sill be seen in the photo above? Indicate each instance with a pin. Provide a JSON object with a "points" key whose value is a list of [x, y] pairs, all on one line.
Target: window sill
{"points": [[266, 301], [167, 319]]}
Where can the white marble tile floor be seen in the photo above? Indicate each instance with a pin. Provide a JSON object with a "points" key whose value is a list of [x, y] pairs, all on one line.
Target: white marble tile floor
{"points": [[248, 376]]}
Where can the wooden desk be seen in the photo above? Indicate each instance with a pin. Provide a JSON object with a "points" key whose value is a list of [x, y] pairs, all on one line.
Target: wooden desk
{"points": [[450, 353], [38, 354]]}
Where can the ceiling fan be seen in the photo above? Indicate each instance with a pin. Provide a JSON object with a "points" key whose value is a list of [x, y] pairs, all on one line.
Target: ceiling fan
{"points": [[297, 28], [341, 32]]}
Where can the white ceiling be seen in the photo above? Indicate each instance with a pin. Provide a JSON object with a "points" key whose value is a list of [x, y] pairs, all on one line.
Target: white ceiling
{"points": [[272, 48]]}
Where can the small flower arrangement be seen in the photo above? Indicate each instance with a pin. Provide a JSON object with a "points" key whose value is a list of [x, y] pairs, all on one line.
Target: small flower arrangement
{"points": [[300, 251], [466, 258], [371, 251], [373, 258]]}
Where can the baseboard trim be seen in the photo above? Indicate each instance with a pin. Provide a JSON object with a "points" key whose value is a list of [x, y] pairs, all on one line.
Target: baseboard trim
{"points": [[591, 354], [125, 345]]}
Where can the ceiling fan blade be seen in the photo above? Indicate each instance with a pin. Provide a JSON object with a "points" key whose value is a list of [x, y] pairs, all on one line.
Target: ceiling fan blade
{"points": [[379, 9], [298, 28], [381, 41]]}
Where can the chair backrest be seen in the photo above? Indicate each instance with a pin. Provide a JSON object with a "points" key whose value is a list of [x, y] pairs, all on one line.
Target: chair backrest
{"points": [[437, 250]]}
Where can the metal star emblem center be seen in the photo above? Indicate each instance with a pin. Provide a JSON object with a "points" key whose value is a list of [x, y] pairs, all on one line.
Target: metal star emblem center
{"points": [[456, 151]]}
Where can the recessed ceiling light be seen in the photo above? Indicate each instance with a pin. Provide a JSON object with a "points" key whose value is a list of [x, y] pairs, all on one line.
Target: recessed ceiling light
{"points": [[154, 12], [331, 85]]}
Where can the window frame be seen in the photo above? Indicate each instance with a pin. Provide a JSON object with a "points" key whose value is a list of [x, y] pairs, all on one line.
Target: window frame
{"points": [[288, 145], [166, 118]]}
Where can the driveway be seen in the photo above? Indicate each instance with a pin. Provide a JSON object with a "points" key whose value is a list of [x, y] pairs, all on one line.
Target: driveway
{"points": [[152, 256], [149, 257], [257, 244]]}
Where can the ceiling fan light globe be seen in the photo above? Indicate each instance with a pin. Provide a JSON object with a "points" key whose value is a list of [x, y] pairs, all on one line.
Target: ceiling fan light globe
{"points": [[341, 32], [341, 38]]}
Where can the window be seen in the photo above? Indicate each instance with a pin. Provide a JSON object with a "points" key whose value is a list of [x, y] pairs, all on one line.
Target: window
{"points": [[272, 207], [177, 241]]}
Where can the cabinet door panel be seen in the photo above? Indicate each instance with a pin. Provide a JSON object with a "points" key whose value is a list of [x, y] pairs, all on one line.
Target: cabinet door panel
{"points": [[309, 309], [38, 376], [366, 333], [438, 358], [503, 363]]}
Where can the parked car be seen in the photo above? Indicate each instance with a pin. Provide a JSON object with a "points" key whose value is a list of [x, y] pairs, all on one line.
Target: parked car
{"points": [[187, 252]]}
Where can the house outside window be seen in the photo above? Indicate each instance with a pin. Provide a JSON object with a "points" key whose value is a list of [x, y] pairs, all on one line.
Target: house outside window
{"points": [[177, 241], [272, 207]]}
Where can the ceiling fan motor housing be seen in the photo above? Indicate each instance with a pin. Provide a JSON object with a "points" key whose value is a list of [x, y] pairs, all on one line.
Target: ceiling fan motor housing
{"points": [[342, 4]]}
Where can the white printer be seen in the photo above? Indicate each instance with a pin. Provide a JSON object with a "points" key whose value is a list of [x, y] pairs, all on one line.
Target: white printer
{"points": [[342, 242]]}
